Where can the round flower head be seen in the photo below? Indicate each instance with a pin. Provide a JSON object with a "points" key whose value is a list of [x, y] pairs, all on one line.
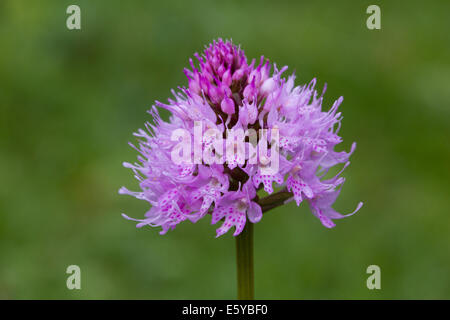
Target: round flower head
{"points": [[238, 128]]}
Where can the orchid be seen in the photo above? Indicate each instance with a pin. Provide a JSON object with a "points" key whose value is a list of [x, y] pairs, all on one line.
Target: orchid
{"points": [[226, 93]]}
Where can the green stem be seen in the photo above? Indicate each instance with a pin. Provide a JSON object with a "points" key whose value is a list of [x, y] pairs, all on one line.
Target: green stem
{"points": [[244, 256], [274, 200], [244, 246]]}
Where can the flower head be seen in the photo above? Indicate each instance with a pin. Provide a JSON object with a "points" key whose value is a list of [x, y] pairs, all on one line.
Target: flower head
{"points": [[270, 121]]}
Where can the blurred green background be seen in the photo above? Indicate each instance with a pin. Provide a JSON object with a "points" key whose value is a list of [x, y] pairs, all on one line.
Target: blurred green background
{"points": [[70, 101]]}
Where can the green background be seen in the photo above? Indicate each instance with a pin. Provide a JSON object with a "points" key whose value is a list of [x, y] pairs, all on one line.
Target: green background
{"points": [[70, 101]]}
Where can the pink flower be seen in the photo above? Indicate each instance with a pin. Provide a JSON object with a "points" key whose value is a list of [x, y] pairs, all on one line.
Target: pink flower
{"points": [[225, 93]]}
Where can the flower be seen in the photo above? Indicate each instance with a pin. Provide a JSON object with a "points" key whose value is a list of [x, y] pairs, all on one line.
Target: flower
{"points": [[225, 95]]}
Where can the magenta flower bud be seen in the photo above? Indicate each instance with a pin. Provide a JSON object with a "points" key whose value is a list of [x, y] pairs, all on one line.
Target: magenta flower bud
{"points": [[265, 71], [226, 90], [255, 77], [204, 84], [209, 76], [227, 105], [221, 70], [215, 94], [269, 103], [267, 86], [250, 91], [229, 58], [226, 78], [243, 116], [215, 62], [238, 74], [194, 86]]}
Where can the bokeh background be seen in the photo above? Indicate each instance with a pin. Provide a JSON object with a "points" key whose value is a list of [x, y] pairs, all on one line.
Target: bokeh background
{"points": [[70, 100]]}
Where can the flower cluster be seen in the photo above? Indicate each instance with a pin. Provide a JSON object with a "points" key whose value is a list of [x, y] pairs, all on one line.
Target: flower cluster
{"points": [[225, 92]]}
